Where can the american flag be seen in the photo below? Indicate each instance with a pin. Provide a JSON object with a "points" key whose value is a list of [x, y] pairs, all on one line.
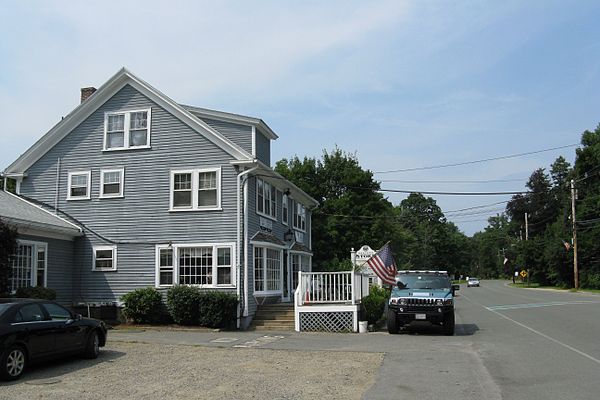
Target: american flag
{"points": [[383, 264]]}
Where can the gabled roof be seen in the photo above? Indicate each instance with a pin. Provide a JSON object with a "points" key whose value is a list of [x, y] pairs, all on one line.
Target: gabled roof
{"points": [[263, 237], [20, 212], [106, 91], [235, 118], [300, 248]]}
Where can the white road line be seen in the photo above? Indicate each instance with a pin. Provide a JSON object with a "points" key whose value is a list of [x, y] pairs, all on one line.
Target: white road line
{"points": [[566, 346]]}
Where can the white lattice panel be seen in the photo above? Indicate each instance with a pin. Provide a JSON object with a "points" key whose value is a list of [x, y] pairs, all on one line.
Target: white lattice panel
{"points": [[326, 321]]}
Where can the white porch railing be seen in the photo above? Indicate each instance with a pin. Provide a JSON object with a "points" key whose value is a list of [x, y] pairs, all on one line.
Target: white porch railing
{"points": [[329, 300]]}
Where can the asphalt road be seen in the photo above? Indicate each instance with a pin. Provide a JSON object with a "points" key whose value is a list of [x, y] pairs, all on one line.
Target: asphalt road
{"points": [[510, 343]]}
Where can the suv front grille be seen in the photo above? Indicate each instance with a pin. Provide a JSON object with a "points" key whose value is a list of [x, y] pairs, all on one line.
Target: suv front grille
{"points": [[420, 302]]}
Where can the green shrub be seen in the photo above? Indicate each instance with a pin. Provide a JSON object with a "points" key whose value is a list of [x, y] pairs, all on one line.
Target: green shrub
{"points": [[374, 304], [183, 303], [37, 292], [143, 306], [218, 309]]}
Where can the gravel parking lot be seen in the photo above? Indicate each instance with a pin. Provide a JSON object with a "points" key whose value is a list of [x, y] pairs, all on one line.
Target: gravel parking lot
{"points": [[161, 371]]}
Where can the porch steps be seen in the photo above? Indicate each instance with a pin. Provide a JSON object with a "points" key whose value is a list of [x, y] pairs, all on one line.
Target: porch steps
{"points": [[274, 317]]}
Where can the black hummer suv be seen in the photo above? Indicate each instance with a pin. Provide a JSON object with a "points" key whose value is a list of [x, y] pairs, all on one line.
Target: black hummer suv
{"points": [[422, 296]]}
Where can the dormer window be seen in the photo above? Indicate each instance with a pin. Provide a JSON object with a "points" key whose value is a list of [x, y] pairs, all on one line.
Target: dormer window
{"points": [[127, 130]]}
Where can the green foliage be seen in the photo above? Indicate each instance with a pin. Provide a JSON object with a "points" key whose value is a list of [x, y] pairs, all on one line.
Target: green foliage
{"points": [[218, 310], [37, 292], [183, 303], [351, 211], [188, 305], [374, 303], [8, 245], [143, 306]]}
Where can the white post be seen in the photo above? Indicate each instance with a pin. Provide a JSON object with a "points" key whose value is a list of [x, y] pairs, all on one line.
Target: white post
{"points": [[352, 281]]}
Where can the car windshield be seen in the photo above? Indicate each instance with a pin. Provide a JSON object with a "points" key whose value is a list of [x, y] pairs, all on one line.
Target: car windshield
{"points": [[422, 282]]}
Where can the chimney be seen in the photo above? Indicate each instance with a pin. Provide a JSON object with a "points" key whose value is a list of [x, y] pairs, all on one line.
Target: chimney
{"points": [[86, 92]]}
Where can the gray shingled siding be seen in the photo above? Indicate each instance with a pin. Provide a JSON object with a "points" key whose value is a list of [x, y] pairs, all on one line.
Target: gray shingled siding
{"points": [[263, 148], [238, 134], [141, 219], [60, 266]]}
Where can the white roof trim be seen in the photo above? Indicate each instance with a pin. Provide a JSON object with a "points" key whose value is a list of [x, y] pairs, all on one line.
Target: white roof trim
{"points": [[104, 93], [235, 118]]}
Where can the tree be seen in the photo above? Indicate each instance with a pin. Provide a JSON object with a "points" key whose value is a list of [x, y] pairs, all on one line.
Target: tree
{"points": [[8, 245], [351, 211]]}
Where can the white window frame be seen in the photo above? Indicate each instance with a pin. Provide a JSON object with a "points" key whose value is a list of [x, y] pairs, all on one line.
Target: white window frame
{"points": [[121, 172], [36, 247], [285, 209], [265, 248], [195, 187], [126, 127], [114, 258], [88, 174], [295, 213], [266, 199], [215, 262]]}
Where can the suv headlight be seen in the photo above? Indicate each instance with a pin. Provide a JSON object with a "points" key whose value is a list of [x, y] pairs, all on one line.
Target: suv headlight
{"points": [[448, 302], [439, 302], [402, 302]]}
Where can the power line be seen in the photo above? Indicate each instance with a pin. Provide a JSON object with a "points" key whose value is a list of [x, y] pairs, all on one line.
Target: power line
{"points": [[454, 181], [452, 193], [476, 161]]}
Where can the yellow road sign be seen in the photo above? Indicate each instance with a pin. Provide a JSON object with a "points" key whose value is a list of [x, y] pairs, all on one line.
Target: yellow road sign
{"points": [[523, 274]]}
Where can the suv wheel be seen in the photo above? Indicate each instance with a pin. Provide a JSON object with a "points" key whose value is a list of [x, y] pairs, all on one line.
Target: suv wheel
{"points": [[448, 326], [392, 322]]}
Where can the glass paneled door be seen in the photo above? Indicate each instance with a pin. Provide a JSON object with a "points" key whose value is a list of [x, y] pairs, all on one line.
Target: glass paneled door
{"points": [[29, 265]]}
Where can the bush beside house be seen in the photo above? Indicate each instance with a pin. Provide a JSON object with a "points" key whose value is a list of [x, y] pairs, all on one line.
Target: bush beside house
{"points": [[37, 292], [185, 305], [374, 304]]}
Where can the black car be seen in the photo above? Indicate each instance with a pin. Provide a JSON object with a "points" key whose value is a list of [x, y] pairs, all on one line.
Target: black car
{"points": [[35, 330]]}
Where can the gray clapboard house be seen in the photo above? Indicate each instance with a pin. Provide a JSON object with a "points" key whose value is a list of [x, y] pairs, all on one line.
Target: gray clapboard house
{"points": [[156, 193]]}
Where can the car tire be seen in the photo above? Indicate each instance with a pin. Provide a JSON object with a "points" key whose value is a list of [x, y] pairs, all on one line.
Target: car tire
{"points": [[449, 324], [14, 362], [92, 347], [392, 322]]}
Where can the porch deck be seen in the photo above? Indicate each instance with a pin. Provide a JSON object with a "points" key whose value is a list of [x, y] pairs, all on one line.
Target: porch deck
{"points": [[329, 301]]}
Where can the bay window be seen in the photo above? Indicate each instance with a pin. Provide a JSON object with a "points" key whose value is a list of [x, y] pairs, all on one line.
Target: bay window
{"points": [[267, 269]]}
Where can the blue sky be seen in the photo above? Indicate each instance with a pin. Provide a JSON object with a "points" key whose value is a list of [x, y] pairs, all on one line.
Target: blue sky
{"points": [[400, 83]]}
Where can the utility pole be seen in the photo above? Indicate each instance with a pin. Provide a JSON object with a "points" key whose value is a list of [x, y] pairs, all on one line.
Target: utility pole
{"points": [[526, 228], [575, 269]]}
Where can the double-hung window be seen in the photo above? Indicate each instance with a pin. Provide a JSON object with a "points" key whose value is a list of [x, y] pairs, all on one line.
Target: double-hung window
{"points": [[207, 265], [267, 269], [127, 129], [79, 185], [111, 182], [266, 199], [104, 258], [285, 209], [299, 218], [197, 189]]}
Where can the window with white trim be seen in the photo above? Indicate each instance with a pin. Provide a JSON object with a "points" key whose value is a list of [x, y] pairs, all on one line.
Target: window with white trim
{"points": [[127, 129], [285, 209], [267, 269], [299, 217], [200, 265], [28, 265], [79, 185], [111, 182], [104, 258], [266, 199], [197, 189], [165, 266]]}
